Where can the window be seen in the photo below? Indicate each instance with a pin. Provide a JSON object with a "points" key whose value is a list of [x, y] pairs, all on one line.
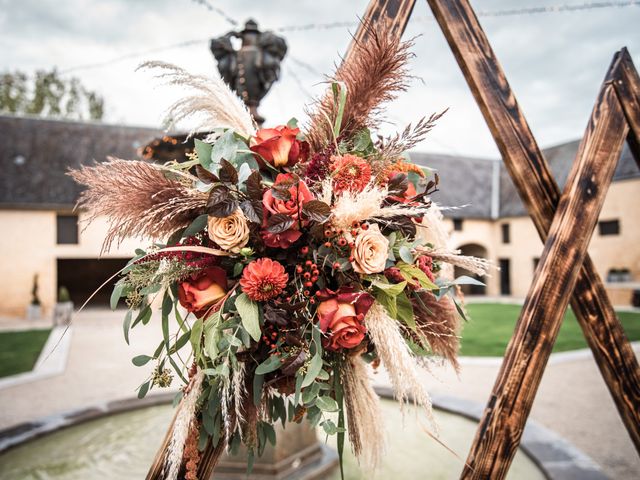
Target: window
{"points": [[505, 276], [457, 224], [609, 227], [67, 229], [506, 234]]}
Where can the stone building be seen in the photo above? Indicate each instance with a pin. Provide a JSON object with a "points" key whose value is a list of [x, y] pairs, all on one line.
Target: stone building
{"points": [[41, 235], [494, 223]]}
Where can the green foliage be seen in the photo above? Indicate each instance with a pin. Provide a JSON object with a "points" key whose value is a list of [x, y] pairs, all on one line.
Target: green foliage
{"points": [[47, 94], [63, 295]]}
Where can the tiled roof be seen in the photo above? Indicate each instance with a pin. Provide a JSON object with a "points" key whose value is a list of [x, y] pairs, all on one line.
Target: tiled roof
{"points": [[36, 153], [464, 181], [560, 159]]}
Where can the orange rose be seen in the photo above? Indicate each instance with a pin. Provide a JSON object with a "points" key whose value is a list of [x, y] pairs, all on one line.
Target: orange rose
{"points": [[341, 316], [198, 293], [278, 146]]}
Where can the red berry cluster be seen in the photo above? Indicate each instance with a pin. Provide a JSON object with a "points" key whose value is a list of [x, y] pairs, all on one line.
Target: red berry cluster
{"points": [[308, 273], [276, 341]]}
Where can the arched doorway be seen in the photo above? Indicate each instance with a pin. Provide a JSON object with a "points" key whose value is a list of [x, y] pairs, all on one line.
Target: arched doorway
{"points": [[474, 250]]}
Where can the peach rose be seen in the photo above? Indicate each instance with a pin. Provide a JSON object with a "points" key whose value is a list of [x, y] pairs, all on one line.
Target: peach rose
{"points": [[341, 316], [229, 233], [370, 251], [200, 291]]}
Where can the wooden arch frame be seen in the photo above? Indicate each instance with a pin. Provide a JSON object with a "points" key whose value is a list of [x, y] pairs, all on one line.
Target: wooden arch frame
{"points": [[564, 222]]}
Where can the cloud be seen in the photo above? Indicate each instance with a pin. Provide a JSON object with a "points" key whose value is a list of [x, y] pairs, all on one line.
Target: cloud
{"points": [[555, 62]]}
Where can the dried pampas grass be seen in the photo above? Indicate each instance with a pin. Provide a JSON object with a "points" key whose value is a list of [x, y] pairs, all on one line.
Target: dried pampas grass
{"points": [[374, 72], [217, 104], [138, 198], [398, 361], [182, 426], [368, 204], [477, 265], [439, 323], [364, 418]]}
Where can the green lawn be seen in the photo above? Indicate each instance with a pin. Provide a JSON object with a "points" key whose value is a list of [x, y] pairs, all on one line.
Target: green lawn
{"points": [[19, 350], [491, 325]]}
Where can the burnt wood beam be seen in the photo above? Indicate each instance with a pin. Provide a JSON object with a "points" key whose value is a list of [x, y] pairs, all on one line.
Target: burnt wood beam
{"points": [[504, 419], [540, 194], [627, 87]]}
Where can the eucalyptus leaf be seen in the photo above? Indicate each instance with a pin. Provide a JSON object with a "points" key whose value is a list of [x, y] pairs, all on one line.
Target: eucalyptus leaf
{"points": [[315, 365], [141, 360], [466, 280], [116, 294], [327, 404], [203, 150], [126, 326], [143, 389], [225, 147], [271, 364], [196, 226], [250, 315]]}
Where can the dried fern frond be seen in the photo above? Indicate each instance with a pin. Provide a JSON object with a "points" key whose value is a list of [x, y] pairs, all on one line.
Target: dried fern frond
{"points": [[213, 100], [439, 323], [364, 418], [137, 198], [396, 145], [375, 71]]}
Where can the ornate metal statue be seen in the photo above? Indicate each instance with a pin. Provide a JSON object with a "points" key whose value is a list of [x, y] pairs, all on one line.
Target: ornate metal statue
{"points": [[254, 68]]}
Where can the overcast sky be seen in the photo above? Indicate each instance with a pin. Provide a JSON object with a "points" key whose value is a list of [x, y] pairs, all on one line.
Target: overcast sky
{"points": [[555, 62]]}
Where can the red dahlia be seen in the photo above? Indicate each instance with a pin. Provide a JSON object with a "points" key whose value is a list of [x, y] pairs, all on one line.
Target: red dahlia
{"points": [[350, 173], [263, 279]]}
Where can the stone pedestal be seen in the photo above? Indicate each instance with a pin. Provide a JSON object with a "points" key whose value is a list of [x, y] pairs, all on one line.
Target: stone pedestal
{"points": [[297, 455]]}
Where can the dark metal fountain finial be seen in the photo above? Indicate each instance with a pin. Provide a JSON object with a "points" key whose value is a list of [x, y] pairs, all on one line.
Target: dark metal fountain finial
{"points": [[251, 70]]}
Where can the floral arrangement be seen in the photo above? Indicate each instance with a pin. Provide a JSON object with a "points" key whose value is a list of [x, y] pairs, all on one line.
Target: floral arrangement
{"points": [[287, 260]]}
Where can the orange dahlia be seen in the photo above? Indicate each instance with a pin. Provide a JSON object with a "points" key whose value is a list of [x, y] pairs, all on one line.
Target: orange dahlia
{"points": [[350, 173], [263, 279]]}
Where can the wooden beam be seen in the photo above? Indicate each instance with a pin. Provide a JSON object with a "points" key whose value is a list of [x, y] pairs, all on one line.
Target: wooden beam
{"points": [[540, 194], [528, 351], [395, 11], [627, 87]]}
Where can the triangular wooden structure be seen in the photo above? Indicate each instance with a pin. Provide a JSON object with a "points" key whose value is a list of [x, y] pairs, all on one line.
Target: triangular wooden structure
{"points": [[565, 223]]}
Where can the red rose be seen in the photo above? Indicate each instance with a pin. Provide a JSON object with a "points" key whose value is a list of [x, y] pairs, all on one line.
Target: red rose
{"points": [[342, 315], [299, 195], [198, 293], [278, 146]]}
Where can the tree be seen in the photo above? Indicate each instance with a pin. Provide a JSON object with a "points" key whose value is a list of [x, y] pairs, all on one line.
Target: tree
{"points": [[46, 94]]}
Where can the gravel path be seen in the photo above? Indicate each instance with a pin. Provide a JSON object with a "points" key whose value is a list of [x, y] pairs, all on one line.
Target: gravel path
{"points": [[572, 400]]}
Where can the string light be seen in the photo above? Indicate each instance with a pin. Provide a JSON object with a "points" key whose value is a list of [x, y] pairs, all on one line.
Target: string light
{"points": [[561, 8]]}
